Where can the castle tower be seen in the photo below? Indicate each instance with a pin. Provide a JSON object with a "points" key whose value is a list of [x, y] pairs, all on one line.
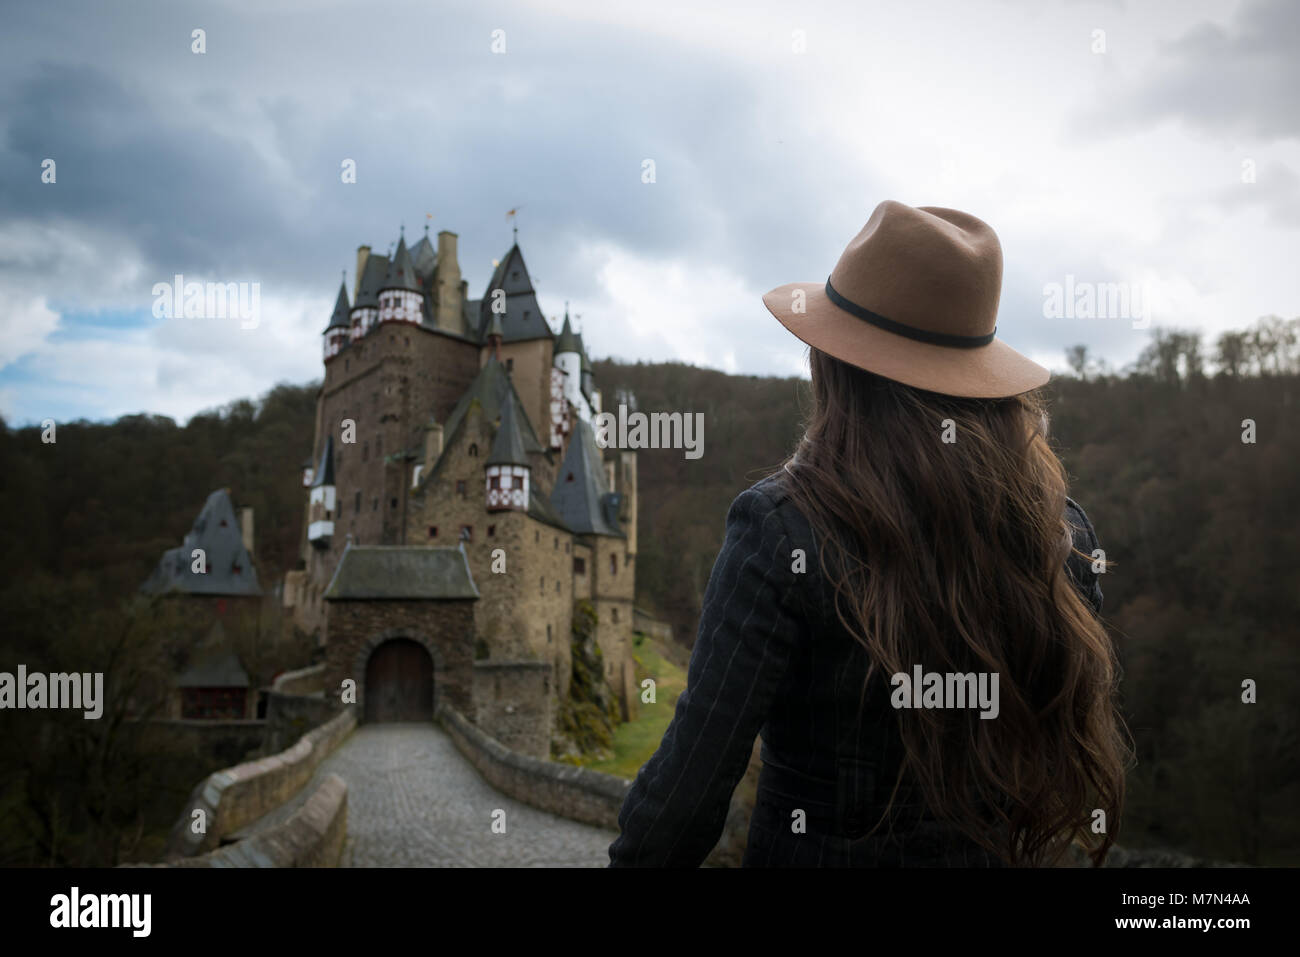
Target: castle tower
{"points": [[365, 310], [568, 359], [448, 287], [507, 466], [336, 333], [322, 503], [399, 296]]}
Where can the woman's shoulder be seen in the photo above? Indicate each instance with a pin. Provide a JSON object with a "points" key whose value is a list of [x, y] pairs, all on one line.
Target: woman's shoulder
{"points": [[770, 501]]}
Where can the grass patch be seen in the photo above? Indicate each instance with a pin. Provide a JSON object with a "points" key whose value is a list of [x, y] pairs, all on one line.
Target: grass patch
{"points": [[635, 741]]}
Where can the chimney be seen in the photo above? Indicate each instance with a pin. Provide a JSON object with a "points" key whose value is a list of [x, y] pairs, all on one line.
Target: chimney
{"points": [[432, 444], [447, 284], [363, 253], [246, 528]]}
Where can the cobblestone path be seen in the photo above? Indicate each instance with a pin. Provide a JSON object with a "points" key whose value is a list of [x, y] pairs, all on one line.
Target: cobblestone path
{"points": [[414, 801]]}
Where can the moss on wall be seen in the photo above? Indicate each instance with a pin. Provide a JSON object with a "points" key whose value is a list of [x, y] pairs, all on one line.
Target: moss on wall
{"points": [[587, 716]]}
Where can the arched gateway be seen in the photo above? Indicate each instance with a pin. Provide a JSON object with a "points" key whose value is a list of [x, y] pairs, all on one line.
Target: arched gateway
{"points": [[399, 682]]}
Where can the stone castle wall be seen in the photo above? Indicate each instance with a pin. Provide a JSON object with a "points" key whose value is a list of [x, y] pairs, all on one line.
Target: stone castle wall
{"points": [[444, 628]]}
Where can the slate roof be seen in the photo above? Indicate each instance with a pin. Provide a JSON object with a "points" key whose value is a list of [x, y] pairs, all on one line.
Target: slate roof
{"points": [[424, 257], [580, 497], [324, 474], [373, 275], [341, 309], [217, 670], [540, 508], [229, 567], [508, 444], [523, 319], [567, 341], [491, 388], [397, 572], [401, 274]]}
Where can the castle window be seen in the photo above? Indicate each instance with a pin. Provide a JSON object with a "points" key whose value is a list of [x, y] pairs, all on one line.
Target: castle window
{"points": [[557, 588], [473, 449], [510, 364], [557, 542], [548, 634], [467, 533], [357, 507], [579, 566], [569, 477], [460, 487], [614, 612], [541, 584], [408, 341], [392, 503], [527, 313], [433, 531], [613, 564], [492, 531], [374, 504], [365, 451]]}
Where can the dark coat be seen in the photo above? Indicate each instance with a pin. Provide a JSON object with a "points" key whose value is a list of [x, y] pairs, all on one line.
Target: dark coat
{"points": [[755, 667]]}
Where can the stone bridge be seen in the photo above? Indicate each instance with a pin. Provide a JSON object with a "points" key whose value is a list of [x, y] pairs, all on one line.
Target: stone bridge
{"points": [[413, 800]]}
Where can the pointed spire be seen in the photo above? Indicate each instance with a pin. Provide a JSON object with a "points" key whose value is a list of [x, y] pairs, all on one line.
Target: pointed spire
{"points": [[325, 470], [508, 446], [567, 341], [401, 274], [339, 320]]}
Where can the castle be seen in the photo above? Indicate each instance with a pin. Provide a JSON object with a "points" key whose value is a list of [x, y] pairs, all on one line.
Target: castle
{"points": [[458, 507]]}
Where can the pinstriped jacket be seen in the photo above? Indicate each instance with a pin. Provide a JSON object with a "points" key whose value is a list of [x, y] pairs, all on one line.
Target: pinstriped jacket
{"points": [[771, 657]]}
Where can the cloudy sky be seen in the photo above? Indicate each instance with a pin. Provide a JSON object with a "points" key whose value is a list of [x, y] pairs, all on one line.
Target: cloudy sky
{"points": [[1150, 143]]}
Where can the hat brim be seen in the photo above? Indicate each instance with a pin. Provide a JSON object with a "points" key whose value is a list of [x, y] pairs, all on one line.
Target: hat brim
{"points": [[993, 371]]}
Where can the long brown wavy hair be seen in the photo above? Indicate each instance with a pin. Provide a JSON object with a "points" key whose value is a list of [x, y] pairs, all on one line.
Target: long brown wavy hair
{"points": [[951, 555]]}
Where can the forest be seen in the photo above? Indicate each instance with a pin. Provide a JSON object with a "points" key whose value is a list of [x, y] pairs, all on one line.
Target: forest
{"points": [[1187, 462]]}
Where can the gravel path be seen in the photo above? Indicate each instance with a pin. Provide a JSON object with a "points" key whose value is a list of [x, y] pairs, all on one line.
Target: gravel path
{"points": [[414, 801]]}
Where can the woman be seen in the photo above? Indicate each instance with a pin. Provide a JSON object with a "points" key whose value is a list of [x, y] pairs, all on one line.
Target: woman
{"points": [[907, 609]]}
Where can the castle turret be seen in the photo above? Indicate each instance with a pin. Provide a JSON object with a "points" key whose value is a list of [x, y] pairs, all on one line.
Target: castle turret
{"points": [[399, 296], [320, 527], [365, 311], [336, 333], [507, 465], [568, 359]]}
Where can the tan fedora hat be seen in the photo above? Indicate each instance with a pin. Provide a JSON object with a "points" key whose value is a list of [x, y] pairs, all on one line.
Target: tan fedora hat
{"points": [[914, 298]]}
